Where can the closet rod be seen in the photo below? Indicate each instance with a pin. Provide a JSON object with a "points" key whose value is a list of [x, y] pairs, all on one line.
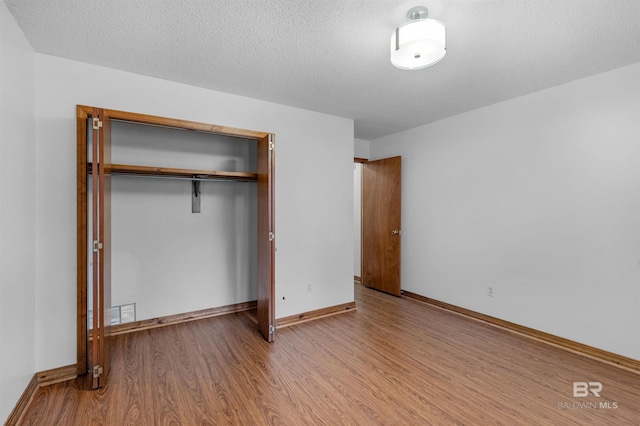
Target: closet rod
{"points": [[195, 178]]}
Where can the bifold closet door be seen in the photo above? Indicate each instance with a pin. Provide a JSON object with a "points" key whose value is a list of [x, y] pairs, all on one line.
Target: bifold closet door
{"points": [[101, 246], [266, 237]]}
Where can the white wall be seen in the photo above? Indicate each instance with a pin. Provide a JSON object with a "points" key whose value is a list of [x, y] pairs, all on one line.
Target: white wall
{"points": [[17, 212], [361, 148], [314, 196], [538, 197]]}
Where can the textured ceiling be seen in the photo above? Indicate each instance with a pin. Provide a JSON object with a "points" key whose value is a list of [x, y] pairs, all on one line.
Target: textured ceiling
{"points": [[333, 56]]}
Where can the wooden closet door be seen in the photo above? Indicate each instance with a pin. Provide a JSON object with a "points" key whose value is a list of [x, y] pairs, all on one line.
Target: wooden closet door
{"points": [[266, 237], [101, 226]]}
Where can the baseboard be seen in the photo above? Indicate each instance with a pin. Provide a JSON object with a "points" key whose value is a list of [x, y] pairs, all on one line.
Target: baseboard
{"points": [[357, 279], [313, 315], [43, 378], [57, 375], [181, 318], [23, 403], [601, 355]]}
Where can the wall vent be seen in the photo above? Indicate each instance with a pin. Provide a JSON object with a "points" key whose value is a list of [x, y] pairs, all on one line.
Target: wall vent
{"points": [[121, 314]]}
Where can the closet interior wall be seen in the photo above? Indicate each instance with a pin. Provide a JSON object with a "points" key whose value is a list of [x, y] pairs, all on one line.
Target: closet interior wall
{"points": [[166, 259]]}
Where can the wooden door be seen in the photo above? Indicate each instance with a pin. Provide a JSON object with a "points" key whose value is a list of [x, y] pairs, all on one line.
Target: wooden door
{"points": [[101, 244], [266, 237], [381, 231]]}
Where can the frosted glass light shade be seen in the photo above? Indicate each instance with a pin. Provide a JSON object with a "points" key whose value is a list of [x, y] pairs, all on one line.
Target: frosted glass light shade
{"points": [[418, 44]]}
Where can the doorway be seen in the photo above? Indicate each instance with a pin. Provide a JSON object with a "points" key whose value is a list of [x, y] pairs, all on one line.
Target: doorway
{"points": [[357, 219]]}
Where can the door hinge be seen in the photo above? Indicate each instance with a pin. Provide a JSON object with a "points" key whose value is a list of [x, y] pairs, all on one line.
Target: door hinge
{"points": [[272, 144], [272, 236], [97, 371], [97, 246], [272, 328], [96, 123]]}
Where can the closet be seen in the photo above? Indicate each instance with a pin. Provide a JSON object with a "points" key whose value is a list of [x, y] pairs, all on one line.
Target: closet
{"points": [[105, 166]]}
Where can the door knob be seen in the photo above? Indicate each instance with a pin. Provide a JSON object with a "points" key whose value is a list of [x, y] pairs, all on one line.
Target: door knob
{"points": [[396, 232]]}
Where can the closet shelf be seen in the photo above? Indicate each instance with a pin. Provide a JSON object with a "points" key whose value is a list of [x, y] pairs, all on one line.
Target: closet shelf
{"points": [[127, 169]]}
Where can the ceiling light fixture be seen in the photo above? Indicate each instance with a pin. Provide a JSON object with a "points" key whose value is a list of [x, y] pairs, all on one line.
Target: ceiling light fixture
{"points": [[419, 42]]}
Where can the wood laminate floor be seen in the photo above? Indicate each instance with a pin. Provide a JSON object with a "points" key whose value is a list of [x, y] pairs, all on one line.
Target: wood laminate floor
{"points": [[394, 361]]}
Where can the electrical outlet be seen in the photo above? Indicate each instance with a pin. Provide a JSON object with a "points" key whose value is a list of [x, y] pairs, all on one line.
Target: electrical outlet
{"points": [[490, 292], [309, 288]]}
